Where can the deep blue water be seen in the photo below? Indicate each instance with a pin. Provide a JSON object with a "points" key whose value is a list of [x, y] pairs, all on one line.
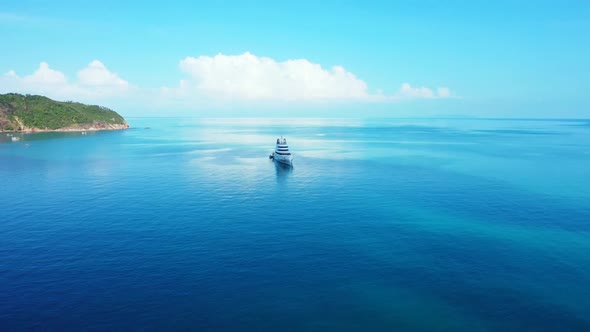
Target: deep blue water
{"points": [[381, 225]]}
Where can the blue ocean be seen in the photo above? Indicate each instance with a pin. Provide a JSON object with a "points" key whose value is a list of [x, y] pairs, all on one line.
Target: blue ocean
{"points": [[380, 225]]}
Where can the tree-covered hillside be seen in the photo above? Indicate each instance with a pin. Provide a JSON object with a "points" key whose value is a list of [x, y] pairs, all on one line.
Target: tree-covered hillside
{"points": [[37, 113]]}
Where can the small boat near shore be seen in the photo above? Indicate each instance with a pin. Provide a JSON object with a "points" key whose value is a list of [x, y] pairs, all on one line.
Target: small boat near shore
{"points": [[281, 153]]}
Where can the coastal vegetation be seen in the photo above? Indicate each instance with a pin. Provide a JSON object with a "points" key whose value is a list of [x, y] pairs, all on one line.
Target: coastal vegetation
{"points": [[38, 113]]}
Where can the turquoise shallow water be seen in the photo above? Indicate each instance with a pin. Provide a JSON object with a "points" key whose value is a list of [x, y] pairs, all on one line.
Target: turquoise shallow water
{"points": [[381, 225]]}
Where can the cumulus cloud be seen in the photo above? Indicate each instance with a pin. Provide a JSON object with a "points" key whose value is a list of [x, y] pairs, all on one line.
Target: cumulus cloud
{"points": [[94, 81], [250, 77], [408, 91], [97, 74], [244, 77], [44, 76], [253, 78]]}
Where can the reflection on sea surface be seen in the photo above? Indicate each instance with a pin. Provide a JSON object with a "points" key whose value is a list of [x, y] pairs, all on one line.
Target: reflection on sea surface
{"points": [[283, 171], [26, 136]]}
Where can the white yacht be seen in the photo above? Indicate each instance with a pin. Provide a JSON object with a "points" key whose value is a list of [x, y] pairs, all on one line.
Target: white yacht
{"points": [[281, 153]]}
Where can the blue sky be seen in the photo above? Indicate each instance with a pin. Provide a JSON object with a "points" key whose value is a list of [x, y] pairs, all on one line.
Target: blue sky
{"points": [[491, 58]]}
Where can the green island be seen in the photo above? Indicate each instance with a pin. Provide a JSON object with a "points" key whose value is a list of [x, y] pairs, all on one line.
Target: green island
{"points": [[32, 113]]}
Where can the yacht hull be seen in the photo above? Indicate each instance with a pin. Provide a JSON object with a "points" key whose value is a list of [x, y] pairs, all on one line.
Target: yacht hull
{"points": [[287, 160]]}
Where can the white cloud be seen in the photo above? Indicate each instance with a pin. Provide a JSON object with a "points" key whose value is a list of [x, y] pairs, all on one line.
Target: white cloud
{"points": [[96, 74], [248, 77], [252, 78], [10, 74], [95, 81], [444, 92], [408, 91], [217, 79], [44, 76]]}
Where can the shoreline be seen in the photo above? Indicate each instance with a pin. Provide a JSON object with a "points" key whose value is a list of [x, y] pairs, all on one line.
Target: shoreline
{"points": [[62, 130]]}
